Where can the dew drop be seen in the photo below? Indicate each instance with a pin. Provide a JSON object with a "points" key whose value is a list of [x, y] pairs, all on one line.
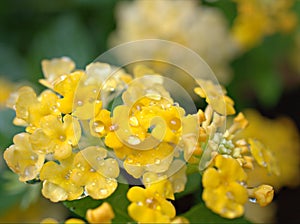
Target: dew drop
{"points": [[129, 160], [62, 138], [133, 121], [175, 123], [113, 127], [92, 170], [157, 161], [139, 203], [98, 127], [149, 200], [103, 191], [79, 103], [133, 140]]}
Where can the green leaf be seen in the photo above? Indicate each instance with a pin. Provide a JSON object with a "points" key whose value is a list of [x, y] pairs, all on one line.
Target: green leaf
{"points": [[193, 184], [117, 200], [201, 214]]}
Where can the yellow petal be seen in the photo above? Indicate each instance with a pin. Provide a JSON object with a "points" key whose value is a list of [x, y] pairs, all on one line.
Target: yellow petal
{"points": [[102, 214], [211, 178]]}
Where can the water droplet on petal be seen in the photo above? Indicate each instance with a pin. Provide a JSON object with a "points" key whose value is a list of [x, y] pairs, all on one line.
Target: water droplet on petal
{"points": [[157, 161], [79, 103], [103, 191], [98, 127], [175, 123], [133, 121], [133, 140], [252, 200], [113, 127]]}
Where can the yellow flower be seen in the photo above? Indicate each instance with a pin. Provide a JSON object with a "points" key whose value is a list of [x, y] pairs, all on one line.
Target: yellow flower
{"points": [[56, 136], [30, 109], [223, 190], [176, 176], [259, 18], [184, 22], [6, 89], [22, 159], [66, 86], [100, 124], [54, 68], [263, 156], [57, 184], [215, 96], [149, 205], [49, 221], [262, 194], [68, 221], [102, 214], [74, 221], [95, 173], [282, 138], [145, 134]]}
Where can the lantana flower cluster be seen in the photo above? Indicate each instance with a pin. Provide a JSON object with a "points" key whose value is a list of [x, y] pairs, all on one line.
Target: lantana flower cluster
{"points": [[93, 128]]}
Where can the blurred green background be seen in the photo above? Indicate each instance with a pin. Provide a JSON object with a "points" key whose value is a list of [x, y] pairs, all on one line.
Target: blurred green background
{"points": [[33, 30]]}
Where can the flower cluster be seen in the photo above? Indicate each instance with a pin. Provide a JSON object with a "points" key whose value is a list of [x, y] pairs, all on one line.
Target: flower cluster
{"points": [[78, 138], [195, 26], [259, 18]]}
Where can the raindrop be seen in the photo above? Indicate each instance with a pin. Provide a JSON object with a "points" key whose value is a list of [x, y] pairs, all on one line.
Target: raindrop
{"points": [[157, 161], [79, 103], [98, 127], [175, 123], [139, 203], [113, 127], [133, 121], [133, 140], [103, 191]]}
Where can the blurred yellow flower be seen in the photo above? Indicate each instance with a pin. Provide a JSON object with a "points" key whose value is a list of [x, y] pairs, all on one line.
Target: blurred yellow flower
{"points": [[223, 190], [22, 159], [149, 205], [201, 28], [282, 138], [56, 136], [215, 96], [257, 19], [6, 89]]}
